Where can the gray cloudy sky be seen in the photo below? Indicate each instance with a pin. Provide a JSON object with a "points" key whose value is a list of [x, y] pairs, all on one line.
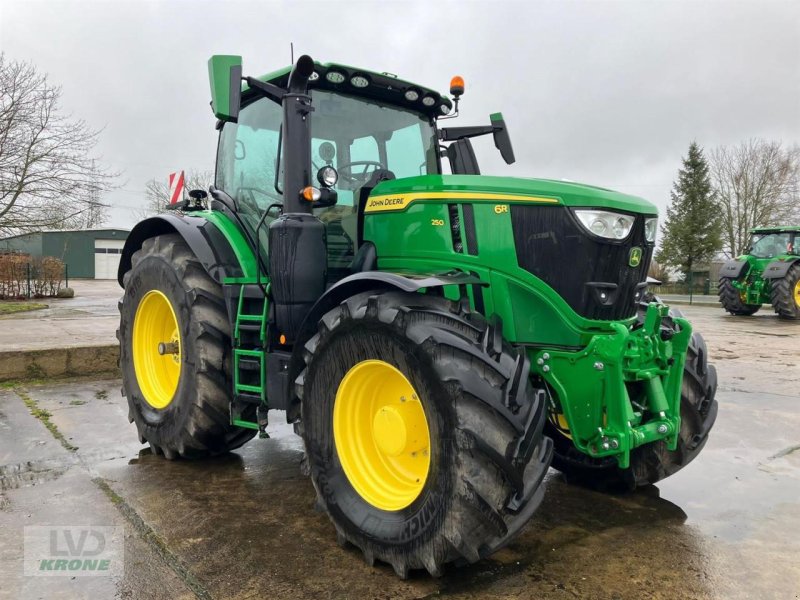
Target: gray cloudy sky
{"points": [[609, 93]]}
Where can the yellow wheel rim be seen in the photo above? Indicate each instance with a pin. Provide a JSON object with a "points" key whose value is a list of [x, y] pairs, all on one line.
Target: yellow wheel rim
{"points": [[156, 349], [381, 435], [797, 292]]}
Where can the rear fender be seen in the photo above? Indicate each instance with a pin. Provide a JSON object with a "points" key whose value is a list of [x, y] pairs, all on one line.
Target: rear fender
{"points": [[204, 238], [778, 269], [733, 269]]}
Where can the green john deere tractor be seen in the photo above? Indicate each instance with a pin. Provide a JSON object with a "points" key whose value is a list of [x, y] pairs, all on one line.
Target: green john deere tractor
{"points": [[768, 274], [437, 339]]}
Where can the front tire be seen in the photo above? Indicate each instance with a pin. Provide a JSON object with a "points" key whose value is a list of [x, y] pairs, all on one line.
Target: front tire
{"points": [[652, 462], [731, 299], [785, 294], [487, 456], [178, 399]]}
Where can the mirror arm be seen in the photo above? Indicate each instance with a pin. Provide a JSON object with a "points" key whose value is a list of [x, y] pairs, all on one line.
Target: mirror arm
{"points": [[273, 92]]}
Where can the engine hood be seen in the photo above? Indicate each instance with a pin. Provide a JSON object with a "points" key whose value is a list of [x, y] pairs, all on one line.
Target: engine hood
{"points": [[558, 192]]}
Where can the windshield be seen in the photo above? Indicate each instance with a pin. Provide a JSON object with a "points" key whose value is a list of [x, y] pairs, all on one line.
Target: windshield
{"points": [[767, 245], [354, 135], [358, 136]]}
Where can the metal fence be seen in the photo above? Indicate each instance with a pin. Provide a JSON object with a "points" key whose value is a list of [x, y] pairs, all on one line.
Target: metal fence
{"points": [[698, 288]]}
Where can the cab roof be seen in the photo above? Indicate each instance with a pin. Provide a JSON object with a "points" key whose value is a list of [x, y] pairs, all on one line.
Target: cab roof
{"points": [[778, 229], [382, 87]]}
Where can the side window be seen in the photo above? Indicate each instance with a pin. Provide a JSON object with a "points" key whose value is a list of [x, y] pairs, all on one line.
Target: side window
{"points": [[246, 158]]}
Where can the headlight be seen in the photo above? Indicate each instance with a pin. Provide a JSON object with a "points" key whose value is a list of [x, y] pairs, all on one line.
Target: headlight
{"points": [[650, 229], [327, 176], [603, 223]]}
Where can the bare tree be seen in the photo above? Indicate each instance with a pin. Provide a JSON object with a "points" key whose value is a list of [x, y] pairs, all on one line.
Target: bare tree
{"points": [[156, 191], [756, 183], [48, 176], [659, 271]]}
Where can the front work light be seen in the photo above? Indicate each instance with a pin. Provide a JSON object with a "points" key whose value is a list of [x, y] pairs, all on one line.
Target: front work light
{"points": [[335, 77], [327, 176], [650, 229], [605, 224]]}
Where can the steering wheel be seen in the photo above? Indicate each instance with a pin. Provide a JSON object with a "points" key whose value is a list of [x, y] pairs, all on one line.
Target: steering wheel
{"points": [[346, 170]]}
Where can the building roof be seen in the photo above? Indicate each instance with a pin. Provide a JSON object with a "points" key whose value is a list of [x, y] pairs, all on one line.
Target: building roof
{"points": [[19, 235]]}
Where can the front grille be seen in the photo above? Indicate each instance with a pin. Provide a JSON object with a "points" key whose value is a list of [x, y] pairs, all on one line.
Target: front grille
{"points": [[592, 275]]}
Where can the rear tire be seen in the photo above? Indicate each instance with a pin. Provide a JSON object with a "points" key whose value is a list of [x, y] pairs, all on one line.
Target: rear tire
{"points": [[731, 299], [652, 462], [785, 294], [487, 453], [196, 422]]}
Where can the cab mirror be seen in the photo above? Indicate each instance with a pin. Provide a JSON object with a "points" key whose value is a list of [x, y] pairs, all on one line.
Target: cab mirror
{"points": [[501, 139], [225, 78]]}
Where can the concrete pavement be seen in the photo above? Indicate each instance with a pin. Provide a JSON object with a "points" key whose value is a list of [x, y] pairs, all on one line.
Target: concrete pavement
{"points": [[73, 336], [90, 318], [243, 526]]}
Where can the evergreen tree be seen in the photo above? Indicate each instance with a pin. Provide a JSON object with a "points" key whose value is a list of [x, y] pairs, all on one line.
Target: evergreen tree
{"points": [[692, 229]]}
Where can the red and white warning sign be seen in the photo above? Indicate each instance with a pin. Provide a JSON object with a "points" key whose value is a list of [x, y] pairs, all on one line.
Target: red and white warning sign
{"points": [[175, 187]]}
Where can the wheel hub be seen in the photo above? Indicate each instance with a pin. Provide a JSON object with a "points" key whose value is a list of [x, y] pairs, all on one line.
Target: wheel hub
{"points": [[381, 435]]}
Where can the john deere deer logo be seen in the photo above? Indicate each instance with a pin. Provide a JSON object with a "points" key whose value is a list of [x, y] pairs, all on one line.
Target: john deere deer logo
{"points": [[635, 256]]}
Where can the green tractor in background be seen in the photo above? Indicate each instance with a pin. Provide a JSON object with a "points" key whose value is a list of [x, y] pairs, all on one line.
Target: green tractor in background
{"points": [[768, 274], [437, 339]]}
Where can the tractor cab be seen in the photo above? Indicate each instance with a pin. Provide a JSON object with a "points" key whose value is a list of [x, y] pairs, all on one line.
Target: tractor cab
{"points": [[356, 140], [769, 243], [365, 127]]}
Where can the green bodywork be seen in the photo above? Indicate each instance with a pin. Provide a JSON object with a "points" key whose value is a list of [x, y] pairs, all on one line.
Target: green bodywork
{"points": [[753, 288], [615, 384]]}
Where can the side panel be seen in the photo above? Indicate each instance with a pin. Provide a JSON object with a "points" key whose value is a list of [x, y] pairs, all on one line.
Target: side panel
{"points": [[423, 238]]}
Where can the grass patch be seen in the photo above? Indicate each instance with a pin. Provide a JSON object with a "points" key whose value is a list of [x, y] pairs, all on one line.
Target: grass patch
{"points": [[77, 402], [44, 417], [7, 308], [101, 395]]}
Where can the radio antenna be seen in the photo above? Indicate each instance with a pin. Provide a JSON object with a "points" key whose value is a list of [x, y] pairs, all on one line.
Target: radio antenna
{"points": [[291, 51]]}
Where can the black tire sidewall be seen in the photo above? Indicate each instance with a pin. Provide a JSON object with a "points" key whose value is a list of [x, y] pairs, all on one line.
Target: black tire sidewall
{"points": [[153, 272], [346, 346], [732, 302]]}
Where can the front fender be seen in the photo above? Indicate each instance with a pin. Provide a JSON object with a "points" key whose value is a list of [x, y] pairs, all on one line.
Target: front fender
{"points": [[204, 238], [382, 280], [355, 284], [777, 269]]}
